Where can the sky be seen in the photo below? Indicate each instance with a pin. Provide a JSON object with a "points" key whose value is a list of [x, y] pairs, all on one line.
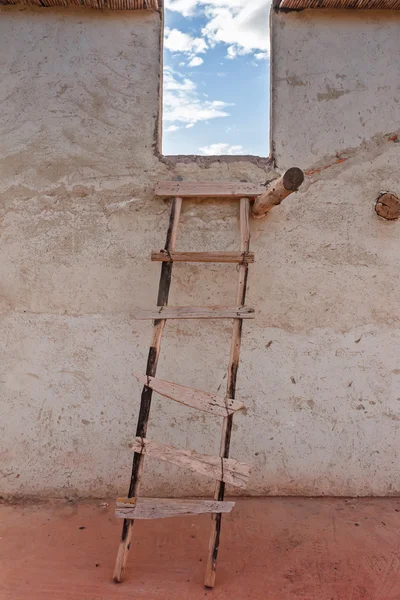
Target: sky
{"points": [[216, 77]]}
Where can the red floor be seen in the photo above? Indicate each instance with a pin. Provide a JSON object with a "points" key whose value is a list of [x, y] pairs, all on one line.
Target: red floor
{"points": [[272, 549]]}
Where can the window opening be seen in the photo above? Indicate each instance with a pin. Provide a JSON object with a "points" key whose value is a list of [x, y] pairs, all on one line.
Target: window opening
{"points": [[216, 77]]}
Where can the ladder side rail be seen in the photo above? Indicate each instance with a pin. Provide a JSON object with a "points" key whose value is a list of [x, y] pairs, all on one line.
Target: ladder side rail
{"points": [[145, 404], [231, 390]]}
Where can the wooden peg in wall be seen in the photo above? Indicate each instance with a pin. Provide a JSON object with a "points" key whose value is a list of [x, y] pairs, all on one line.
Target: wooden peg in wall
{"points": [[278, 190]]}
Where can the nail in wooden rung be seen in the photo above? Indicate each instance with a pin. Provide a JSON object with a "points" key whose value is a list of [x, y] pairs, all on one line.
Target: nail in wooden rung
{"points": [[195, 312], [220, 407], [228, 470], [157, 508], [203, 257]]}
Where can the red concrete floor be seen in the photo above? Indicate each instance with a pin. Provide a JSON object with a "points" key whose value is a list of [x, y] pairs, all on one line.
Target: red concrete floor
{"points": [[272, 549]]}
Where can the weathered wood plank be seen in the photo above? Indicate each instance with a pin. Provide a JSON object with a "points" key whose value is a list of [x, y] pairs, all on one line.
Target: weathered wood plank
{"points": [[233, 368], [195, 312], [203, 401], [203, 257], [208, 189], [227, 470], [145, 403], [156, 508]]}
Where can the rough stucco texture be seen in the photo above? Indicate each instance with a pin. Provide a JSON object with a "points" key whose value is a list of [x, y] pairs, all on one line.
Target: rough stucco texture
{"points": [[320, 373], [336, 77]]}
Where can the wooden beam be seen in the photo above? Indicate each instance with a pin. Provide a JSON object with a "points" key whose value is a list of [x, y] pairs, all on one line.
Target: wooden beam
{"points": [[208, 189], [233, 368], [228, 470], [195, 312], [145, 403], [210, 403], [203, 257], [156, 508], [277, 191]]}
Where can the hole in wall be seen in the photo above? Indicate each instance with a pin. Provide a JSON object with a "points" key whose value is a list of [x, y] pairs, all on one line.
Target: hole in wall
{"points": [[216, 77]]}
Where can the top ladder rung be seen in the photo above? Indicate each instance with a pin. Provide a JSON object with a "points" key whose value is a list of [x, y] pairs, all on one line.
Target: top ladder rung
{"points": [[203, 257], [208, 189]]}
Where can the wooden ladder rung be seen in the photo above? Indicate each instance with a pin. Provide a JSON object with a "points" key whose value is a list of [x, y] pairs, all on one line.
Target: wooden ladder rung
{"points": [[208, 189], [218, 406], [158, 508], [203, 257], [224, 469], [195, 312]]}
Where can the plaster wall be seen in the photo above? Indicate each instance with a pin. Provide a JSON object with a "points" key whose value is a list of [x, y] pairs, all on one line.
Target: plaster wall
{"points": [[335, 81], [320, 373]]}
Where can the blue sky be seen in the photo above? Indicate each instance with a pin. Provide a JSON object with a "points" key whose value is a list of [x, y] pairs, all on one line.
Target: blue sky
{"points": [[216, 77]]}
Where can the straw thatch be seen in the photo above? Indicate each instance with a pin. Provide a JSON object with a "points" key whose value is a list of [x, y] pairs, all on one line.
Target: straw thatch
{"points": [[344, 4], [110, 4]]}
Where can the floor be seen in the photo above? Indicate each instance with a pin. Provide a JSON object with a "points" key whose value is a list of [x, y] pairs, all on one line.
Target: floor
{"points": [[272, 549]]}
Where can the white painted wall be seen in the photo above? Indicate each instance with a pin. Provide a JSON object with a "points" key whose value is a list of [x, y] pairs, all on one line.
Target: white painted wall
{"points": [[335, 81], [320, 373]]}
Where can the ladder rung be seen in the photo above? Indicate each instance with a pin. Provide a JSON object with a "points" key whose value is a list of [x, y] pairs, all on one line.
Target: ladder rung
{"points": [[224, 469], [203, 257], [203, 401], [158, 508], [195, 312], [208, 189]]}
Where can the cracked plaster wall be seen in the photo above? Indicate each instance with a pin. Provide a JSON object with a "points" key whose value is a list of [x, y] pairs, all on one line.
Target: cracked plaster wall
{"points": [[320, 373]]}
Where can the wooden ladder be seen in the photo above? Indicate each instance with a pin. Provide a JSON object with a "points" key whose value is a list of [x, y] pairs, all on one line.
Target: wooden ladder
{"points": [[222, 468]]}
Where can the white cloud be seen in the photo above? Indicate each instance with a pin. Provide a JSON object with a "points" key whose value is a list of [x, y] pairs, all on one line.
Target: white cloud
{"points": [[218, 149], [183, 103], [243, 28], [177, 41], [172, 128], [188, 7], [185, 7], [196, 61], [242, 25]]}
